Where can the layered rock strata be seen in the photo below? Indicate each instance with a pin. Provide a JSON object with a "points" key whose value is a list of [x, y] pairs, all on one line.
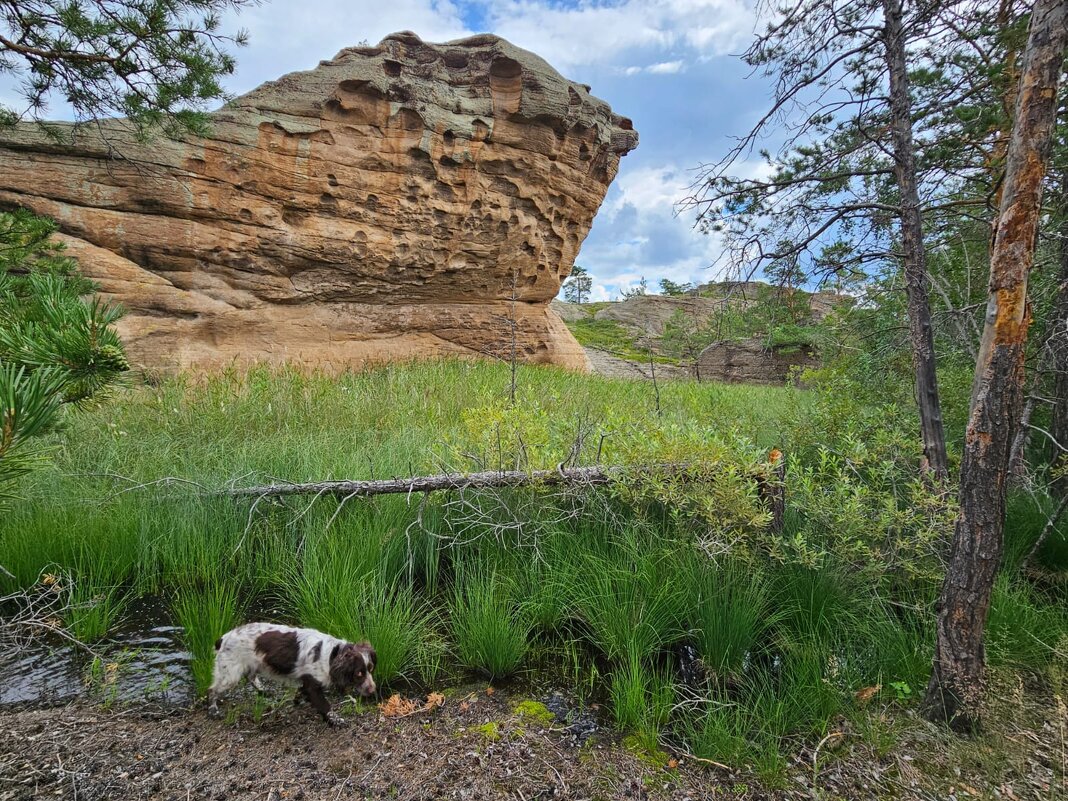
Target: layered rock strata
{"points": [[402, 200]]}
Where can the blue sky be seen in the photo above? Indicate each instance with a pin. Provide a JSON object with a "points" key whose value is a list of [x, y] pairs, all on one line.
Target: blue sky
{"points": [[666, 64]]}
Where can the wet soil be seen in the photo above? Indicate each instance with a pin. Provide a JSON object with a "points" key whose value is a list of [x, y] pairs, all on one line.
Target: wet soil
{"points": [[485, 746]]}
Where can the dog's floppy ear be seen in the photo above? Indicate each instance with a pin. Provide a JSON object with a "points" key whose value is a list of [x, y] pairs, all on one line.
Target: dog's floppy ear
{"points": [[369, 654]]}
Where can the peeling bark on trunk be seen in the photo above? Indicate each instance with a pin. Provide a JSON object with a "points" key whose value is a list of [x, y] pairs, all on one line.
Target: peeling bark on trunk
{"points": [[921, 337], [954, 694]]}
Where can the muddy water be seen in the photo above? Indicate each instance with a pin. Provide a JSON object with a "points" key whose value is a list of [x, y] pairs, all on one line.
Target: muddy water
{"points": [[144, 659]]}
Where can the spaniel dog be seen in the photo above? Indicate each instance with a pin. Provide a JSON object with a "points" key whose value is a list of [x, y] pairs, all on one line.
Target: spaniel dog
{"points": [[313, 661]]}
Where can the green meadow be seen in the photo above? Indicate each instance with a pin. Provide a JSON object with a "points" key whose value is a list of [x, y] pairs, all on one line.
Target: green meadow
{"points": [[614, 593]]}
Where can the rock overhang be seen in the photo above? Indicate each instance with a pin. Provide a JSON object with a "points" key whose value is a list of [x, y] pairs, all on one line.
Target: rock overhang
{"points": [[397, 200]]}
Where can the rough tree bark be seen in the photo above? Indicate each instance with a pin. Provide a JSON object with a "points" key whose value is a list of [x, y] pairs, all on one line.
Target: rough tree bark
{"points": [[1058, 346], [954, 693], [921, 336]]}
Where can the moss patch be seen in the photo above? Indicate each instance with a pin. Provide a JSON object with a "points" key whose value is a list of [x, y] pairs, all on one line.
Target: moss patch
{"points": [[491, 731], [654, 757], [535, 712]]}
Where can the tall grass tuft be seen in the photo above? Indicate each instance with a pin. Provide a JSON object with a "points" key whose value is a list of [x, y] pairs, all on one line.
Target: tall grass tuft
{"points": [[731, 613], [641, 700], [812, 602], [491, 631], [1020, 630], [94, 609], [389, 616], [632, 596], [205, 611]]}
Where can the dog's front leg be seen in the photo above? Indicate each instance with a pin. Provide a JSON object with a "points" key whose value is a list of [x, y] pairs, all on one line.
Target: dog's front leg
{"points": [[313, 691]]}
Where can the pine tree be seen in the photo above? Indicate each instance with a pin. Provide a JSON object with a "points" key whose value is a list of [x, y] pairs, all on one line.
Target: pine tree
{"points": [[57, 345], [955, 691], [155, 62], [577, 287]]}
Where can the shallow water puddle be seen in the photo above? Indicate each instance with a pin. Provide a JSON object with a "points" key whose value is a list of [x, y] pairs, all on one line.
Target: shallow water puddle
{"points": [[143, 659]]}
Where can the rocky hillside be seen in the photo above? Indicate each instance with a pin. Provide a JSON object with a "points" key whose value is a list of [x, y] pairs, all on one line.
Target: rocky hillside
{"points": [[745, 332]]}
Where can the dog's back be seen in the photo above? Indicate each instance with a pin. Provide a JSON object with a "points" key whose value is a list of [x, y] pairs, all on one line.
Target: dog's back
{"points": [[281, 652]]}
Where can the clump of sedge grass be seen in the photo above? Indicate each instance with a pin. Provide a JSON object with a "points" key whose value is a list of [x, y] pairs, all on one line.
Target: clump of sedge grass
{"points": [[94, 609], [205, 611], [491, 631], [632, 597], [1022, 631], [731, 613], [641, 699]]}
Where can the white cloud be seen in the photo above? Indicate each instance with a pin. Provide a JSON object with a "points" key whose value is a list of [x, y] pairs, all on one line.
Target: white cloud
{"points": [[662, 68], [665, 68], [647, 189], [600, 32], [289, 35]]}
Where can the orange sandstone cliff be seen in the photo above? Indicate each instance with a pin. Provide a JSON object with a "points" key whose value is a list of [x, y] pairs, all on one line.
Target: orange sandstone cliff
{"points": [[403, 200]]}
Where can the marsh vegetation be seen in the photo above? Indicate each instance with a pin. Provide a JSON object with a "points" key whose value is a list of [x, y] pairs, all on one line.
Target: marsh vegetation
{"points": [[670, 603]]}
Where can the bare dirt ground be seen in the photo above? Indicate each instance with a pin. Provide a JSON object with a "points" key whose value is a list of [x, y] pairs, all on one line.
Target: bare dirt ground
{"points": [[479, 746]]}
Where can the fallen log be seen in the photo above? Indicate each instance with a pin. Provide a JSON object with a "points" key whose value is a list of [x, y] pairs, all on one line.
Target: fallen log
{"points": [[770, 484], [489, 479]]}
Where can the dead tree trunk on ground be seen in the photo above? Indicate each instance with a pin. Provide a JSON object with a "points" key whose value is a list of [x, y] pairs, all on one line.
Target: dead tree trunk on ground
{"points": [[954, 694]]}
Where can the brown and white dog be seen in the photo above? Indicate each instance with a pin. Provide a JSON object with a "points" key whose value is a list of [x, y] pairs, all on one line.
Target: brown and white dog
{"points": [[313, 661]]}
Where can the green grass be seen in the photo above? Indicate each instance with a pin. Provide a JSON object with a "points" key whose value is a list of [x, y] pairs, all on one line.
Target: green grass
{"points": [[491, 631], [609, 335], [1026, 516], [1022, 630], [642, 699], [205, 612], [595, 589], [631, 595], [94, 609], [732, 613]]}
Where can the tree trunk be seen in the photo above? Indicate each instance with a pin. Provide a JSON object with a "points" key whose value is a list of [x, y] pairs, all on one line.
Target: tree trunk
{"points": [[1018, 452], [921, 337], [954, 694], [1058, 350]]}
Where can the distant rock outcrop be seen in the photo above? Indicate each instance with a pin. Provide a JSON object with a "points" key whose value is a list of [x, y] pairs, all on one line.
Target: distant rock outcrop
{"points": [[750, 361], [400, 200], [638, 325]]}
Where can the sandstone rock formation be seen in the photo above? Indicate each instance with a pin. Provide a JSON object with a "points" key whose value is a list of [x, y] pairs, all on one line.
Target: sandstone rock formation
{"points": [[401, 200], [749, 361]]}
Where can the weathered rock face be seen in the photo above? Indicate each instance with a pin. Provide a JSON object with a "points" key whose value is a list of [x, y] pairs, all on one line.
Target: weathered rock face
{"points": [[750, 362], [402, 200]]}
